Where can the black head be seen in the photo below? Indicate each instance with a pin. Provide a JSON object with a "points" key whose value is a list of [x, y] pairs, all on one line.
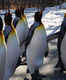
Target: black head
{"points": [[22, 10], [38, 16], [1, 24], [18, 12], [8, 18]]}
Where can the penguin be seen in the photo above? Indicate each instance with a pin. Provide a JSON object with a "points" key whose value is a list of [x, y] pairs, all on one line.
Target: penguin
{"points": [[7, 27], [21, 24], [63, 43], [60, 43], [3, 51], [37, 47], [13, 50], [22, 29], [22, 32], [63, 50]]}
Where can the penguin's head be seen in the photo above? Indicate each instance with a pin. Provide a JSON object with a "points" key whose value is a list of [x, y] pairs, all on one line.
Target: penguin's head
{"points": [[18, 12], [64, 14], [8, 18], [1, 24], [38, 16], [22, 10]]}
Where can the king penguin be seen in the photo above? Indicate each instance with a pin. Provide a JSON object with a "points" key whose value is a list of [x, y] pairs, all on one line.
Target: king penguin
{"points": [[37, 46], [3, 51], [63, 43], [22, 30], [12, 50]]}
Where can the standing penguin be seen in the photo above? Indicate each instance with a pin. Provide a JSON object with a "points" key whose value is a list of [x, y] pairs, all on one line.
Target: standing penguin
{"points": [[22, 28], [12, 49], [37, 46], [61, 43], [22, 32], [3, 51], [7, 27]]}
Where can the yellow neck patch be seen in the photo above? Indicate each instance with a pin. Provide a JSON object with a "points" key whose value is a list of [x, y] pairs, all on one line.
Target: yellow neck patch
{"points": [[2, 39], [40, 27], [13, 30], [22, 19]]}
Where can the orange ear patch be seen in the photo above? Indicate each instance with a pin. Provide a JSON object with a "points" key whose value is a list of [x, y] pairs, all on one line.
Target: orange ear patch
{"points": [[40, 27]]}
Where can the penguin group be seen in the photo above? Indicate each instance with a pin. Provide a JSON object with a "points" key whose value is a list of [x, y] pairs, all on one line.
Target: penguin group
{"points": [[13, 49], [17, 39]]}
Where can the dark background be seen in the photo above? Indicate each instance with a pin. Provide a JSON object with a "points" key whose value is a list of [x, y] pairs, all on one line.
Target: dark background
{"points": [[28, 3]]}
